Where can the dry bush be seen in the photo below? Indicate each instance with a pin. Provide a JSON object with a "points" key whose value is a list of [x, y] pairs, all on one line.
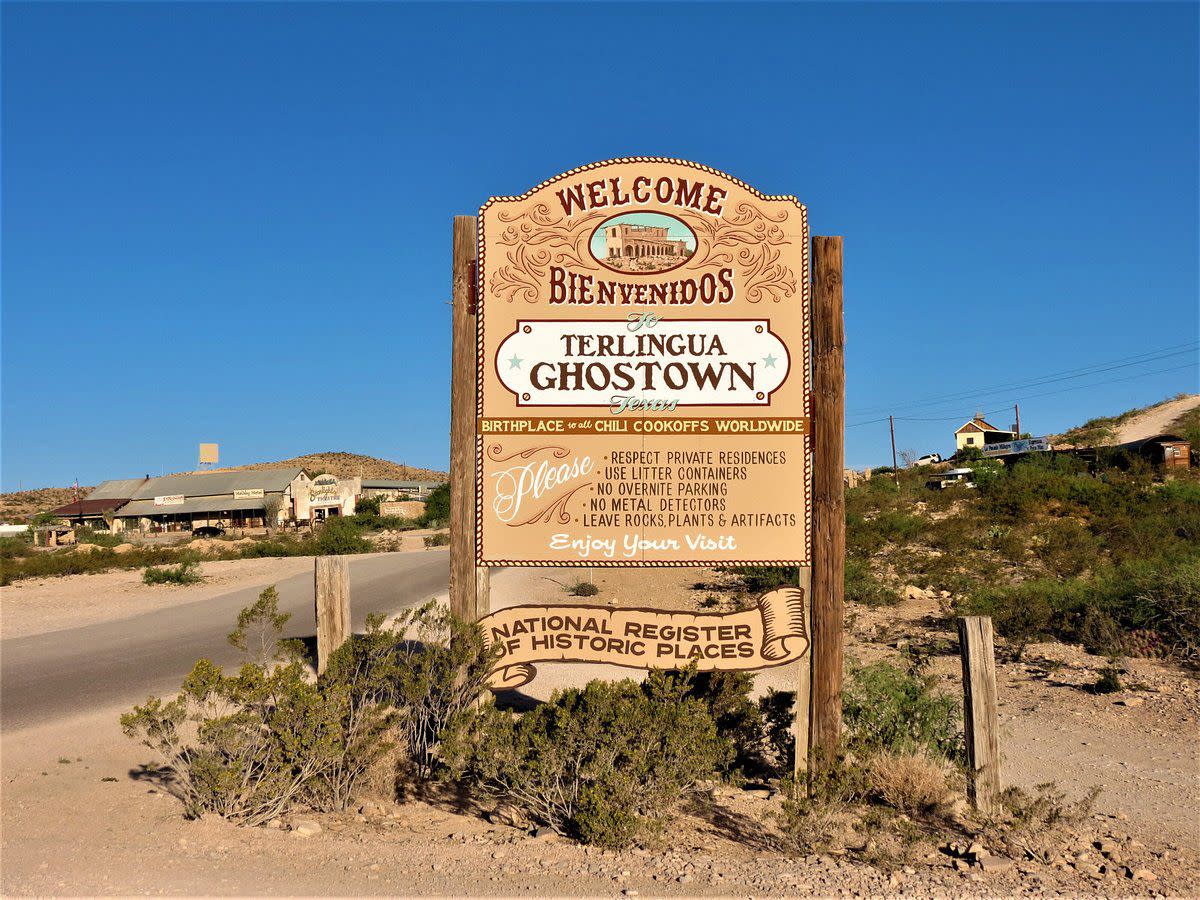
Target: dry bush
{"points": [[913, 783]]}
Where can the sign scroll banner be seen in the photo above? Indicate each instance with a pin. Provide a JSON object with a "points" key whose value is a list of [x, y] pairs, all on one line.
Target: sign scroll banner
{"points": [[643, 372], [773, 633]]}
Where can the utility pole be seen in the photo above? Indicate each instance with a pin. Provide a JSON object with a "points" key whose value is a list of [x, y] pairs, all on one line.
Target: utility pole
{"points": [[895, 471], [1017, 413]]}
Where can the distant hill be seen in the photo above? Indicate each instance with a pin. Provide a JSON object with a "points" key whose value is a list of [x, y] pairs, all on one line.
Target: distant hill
{"points": [[19, 505], [347, 465]]}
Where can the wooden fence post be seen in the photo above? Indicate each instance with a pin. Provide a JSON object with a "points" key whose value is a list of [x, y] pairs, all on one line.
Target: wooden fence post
{"points": [[331, 590], [469, 584], [829, 503], [979, 712]]}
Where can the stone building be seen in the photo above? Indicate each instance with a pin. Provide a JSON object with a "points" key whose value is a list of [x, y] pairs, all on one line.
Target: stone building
{"points": [[642, 240]]}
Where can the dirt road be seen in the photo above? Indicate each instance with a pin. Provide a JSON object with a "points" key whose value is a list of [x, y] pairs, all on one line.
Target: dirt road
{"points": [[1155, 421], [49, 674]]}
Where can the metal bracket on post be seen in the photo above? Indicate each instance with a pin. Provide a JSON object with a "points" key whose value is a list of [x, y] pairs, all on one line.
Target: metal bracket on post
{"points": [[472, 288]]}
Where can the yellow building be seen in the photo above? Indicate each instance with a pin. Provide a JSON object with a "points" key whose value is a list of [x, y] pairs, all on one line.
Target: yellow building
{"points": [[978, 431]]}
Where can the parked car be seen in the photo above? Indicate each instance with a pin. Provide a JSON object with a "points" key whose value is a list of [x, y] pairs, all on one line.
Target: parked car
{"points": [[928, 459], [207, 531]]}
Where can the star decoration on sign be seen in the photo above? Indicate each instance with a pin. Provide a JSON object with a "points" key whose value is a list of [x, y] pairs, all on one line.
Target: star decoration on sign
{"points": [[769, 361], [515, 362]]}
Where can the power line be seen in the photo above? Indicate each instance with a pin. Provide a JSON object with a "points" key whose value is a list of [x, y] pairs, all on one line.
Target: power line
{"points": [[1066, 375], [1076, 387]]}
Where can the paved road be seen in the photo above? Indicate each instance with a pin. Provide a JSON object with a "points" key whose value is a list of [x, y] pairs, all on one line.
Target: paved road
{"points": [[47, 676]]}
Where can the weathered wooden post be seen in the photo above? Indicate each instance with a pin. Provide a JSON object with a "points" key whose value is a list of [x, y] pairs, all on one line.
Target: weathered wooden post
{"points": [[979, 712], [331, 590], [469, 584], [829, 516]]}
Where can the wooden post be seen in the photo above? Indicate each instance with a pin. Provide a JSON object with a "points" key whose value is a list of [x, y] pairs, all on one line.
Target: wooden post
{"points": [[331, 591], [800, 720], [895, 468], [829, 517], [979, 712], [468, 583], [1017, 413]]}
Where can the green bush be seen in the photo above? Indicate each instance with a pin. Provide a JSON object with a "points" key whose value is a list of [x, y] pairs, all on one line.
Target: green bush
{"points": [[885, 708], [440, 539], [340, 537], [250, 745], [1160, 595], [581, 588], [761, 579], [863, 587], [603, 764], [437, 508], [187, 572], [14, 547], [99, 538], [366, 505], [436, 677]]}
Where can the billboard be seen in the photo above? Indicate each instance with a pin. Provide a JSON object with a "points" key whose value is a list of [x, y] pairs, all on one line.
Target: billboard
{"points": [[208, 454], [642, 371]]}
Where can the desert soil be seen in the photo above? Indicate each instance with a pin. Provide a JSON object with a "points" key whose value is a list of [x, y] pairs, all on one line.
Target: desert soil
{"points": [[80, 816], [1157, 420]]}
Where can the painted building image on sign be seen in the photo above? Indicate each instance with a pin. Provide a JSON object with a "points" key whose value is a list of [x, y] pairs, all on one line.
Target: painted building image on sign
{"points": [[643, 387]]}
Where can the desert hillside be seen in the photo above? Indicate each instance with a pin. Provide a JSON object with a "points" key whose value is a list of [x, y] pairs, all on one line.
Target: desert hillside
{"points": [[347, 465], [1175, 415], [17, 506]]}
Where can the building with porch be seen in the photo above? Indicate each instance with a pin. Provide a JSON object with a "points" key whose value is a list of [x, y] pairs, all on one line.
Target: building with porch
{"points": [[252, 498], [978, 431]]}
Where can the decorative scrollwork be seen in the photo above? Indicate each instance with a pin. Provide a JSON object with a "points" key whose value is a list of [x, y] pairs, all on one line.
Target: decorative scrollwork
{"points": [[496, 450], [537, 238], [555, 511], [750, 237]]}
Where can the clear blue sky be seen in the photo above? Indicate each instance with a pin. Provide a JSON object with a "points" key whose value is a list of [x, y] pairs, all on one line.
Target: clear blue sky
{"points": [[231, 222]]}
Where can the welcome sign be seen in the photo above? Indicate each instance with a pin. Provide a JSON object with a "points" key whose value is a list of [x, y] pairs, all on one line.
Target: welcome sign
{"points": [[643, 372]]}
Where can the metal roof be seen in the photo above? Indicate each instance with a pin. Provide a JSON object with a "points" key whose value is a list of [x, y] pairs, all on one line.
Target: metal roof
{"points": [[87, 507], [212, 484], [117, 489], [199, 505]]}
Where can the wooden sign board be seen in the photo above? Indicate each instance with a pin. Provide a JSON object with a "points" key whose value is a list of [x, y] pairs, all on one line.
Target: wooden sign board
{"points": [[773, 633], [643, 373]]}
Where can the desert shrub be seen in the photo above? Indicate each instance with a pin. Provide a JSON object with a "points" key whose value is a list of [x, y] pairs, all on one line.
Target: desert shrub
{"points": [[72, 562], [581, 588], [885, 708], [339, 537], [761, 579], [1047, 808], [1109, 681], [1098, 611], [99, 538], [247, 746], [914, 783], [1067, 548], [438, 673], [186, 572], [437, 508], [280, 546], [13, 547], [366, 506], [440, 539], [863, 587], [602, 764]]}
